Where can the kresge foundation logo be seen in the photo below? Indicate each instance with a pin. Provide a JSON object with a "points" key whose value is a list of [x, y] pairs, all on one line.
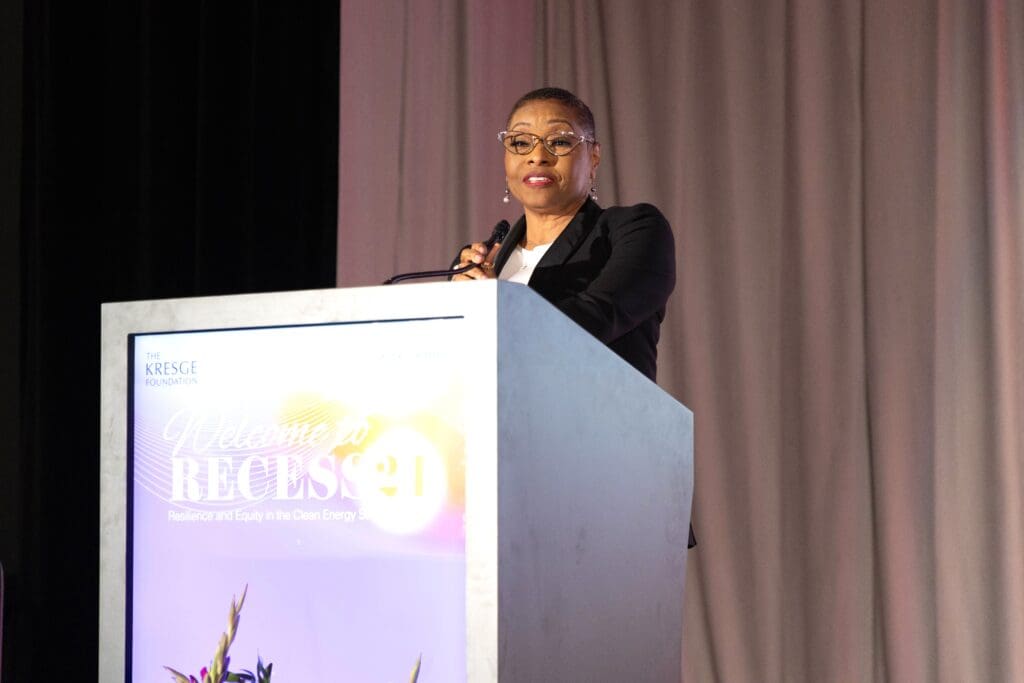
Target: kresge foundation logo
{"points": [[160, 372]]}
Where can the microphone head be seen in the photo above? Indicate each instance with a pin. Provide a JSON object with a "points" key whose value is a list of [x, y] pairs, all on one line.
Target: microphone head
{"points": [[498, 234], [501, 231]]}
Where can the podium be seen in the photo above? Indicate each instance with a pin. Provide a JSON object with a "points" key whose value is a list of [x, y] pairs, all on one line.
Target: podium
{"points": [[451, 470]]}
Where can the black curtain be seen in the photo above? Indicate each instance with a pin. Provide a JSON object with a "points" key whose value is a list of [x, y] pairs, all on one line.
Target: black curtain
{"points": [[166, 150]]}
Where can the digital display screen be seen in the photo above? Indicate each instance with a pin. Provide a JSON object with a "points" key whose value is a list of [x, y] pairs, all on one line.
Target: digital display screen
{"points": [[320, 466]]}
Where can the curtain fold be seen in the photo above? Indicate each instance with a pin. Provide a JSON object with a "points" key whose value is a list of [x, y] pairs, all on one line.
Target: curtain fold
{"points": [[845, 183], [424, 92]]}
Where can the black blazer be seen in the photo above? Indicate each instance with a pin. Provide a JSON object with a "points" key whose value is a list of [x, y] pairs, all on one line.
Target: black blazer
{"points": [[611, 271]]}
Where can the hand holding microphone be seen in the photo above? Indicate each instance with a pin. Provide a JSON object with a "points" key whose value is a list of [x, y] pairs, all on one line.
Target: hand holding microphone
{"points": [[476, 261], [482, 252]]}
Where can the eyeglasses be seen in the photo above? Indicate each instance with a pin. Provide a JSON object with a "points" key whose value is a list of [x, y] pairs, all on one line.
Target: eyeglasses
{"points": [[558, 144]]}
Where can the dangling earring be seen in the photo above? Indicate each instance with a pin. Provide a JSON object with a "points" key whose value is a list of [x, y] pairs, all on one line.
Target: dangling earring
{"points": [[507, 198], [593, 192]]}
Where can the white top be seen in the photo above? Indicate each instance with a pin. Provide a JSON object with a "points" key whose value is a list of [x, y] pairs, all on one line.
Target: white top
{"points": [[521, 263]]}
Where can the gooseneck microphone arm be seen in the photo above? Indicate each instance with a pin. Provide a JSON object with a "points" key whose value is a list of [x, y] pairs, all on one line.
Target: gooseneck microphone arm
{"points": [[497, 235]]}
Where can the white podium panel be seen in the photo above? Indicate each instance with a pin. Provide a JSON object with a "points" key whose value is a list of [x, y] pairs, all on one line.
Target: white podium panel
{"points": [[450, 470]]}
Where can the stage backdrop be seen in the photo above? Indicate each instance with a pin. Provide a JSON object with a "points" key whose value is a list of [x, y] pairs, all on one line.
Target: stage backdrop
{"points": [[845, 181]]}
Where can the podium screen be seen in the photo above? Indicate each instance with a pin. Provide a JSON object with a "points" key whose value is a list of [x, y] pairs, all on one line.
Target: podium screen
{"points": [[322, 467]]}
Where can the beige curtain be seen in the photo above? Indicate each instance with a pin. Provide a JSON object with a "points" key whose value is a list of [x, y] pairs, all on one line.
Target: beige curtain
{"points": [[845, 179]]}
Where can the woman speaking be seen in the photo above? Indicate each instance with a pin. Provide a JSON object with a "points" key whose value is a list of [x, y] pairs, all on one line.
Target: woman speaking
{"points": [[609, 270]]}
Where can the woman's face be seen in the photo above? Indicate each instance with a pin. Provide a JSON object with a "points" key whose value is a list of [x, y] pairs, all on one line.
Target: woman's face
{"points": [[542, 182]]}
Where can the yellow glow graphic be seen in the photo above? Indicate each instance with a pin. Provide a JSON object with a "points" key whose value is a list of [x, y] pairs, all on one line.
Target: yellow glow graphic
{"points": [[403, 480]]}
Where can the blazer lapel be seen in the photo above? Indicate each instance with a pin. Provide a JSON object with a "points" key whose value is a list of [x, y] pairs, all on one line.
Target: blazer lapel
{"points": [[566, 244], [572, 237]]}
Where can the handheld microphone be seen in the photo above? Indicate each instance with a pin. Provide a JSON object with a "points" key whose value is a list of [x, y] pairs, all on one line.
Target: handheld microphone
{"points": [[497, 235]]}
